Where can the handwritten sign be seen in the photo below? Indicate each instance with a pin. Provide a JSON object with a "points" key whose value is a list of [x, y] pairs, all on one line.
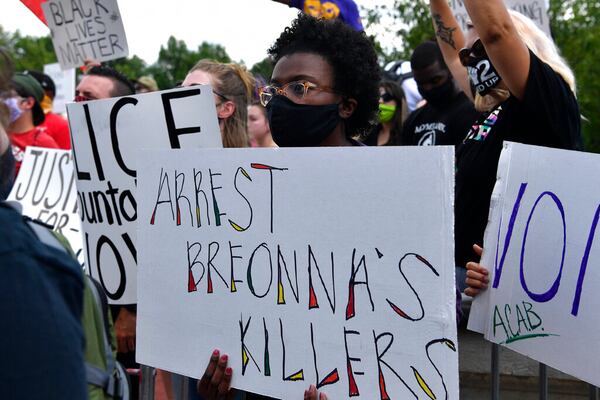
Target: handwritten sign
{"points": [[537, 10], [85, 29], [45, 187], [326, 265], [539, 246], [105, 136], [65, 86]]}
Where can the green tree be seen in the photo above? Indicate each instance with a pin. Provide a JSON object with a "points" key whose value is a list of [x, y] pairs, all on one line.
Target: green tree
{"points": [[263, 68], [28, 52], [175, 60], [575, 27], [131, 67]]}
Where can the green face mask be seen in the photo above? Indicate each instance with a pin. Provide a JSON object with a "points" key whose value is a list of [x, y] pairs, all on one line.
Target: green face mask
{"points": [[386, 112]]}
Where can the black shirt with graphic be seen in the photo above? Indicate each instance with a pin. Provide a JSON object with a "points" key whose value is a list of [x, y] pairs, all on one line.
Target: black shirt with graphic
{"points": [[548, 115], [448, 125]]}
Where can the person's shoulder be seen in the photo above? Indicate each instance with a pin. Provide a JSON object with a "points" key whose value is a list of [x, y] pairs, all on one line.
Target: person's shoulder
{"points": [[43, 139]]}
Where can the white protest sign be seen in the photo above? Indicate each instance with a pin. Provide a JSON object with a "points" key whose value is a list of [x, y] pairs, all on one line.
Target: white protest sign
{"points": [[45, 187], [537, 10], [105, 136], [543, 297], [85, 29], [65, 86], [331, 266]]}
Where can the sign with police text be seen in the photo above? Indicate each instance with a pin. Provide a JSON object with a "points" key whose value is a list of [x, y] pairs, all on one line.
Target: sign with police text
{"points": [[85, 29], [45, 187], [542, 252], [330, 266], [105, 136], [537, 10]]}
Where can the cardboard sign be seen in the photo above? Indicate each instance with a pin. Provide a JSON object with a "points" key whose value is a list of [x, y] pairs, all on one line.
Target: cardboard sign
{"points": [[65, 86], [85, 29], [540, 250], [105, 136], [331, 266], [45, 187], [537, 10]]}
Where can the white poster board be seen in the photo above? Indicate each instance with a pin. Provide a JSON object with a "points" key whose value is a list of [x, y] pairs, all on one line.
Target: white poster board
{"points": [[85, 29], [106, 135], [65, 86], [45, 187], [537, 10], [539, 245], [331, 266]]}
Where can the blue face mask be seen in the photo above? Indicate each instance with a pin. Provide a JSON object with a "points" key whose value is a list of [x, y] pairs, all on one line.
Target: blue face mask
{"points": [[15, 111]]}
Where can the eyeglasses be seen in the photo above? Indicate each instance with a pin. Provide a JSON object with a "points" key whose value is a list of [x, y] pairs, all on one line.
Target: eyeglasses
{"points": [[295, 91], [385, 97], [476, 51]]}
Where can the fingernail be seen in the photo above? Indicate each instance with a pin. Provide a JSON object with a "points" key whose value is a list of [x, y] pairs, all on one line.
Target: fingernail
{"points": [[228, 371], [224, 358], [216, 352]]}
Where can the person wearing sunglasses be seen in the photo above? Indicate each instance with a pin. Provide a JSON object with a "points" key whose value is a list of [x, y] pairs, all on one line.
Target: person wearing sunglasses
{"points": [[392, 114], [526, 92], [323, 92], [232, 87]]}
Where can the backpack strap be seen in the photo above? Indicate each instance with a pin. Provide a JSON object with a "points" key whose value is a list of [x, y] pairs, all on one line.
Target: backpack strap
{"points": [[106, 379]]}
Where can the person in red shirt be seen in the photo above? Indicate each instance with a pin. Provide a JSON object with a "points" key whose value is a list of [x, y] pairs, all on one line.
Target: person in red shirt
{"points": [[56, 125], [24, 130]]}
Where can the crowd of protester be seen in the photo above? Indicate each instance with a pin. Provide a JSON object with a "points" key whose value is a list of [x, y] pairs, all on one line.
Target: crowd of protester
{"points": [[326, 89]]}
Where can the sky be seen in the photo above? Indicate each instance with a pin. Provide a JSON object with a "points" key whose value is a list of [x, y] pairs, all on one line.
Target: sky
{"points": [[246, 28]]}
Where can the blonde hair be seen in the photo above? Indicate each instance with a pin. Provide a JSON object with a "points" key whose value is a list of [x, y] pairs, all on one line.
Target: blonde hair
{"points": [[543, 47], [237, 84]]}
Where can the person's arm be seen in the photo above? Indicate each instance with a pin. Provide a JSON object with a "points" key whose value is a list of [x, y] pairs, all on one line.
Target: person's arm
{"points": [[477, 276], [506, 50], [125, 330], [451, 39]]}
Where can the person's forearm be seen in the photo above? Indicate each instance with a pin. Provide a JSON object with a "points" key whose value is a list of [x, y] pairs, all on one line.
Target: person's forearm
{"points": [[451, 39], [490, 18], [447, 31]]}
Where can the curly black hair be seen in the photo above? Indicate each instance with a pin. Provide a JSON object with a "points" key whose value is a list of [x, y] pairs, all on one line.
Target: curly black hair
{"points": [[351, 55]]}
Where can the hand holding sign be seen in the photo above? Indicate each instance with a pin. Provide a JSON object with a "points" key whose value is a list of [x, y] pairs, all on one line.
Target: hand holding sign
{"points": [[477, 276]]}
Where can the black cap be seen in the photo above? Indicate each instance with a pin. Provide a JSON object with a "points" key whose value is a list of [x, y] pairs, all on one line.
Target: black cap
{"points": [[44, 80]]}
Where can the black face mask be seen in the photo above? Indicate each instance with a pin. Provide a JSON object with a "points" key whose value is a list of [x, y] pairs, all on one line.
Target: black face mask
{"points": [[482, 75], [300, 125], [441, 95]]}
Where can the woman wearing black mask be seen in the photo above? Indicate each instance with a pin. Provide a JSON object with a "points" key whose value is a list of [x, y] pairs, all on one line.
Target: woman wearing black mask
{"points": [[323, 92], [526, 92]]}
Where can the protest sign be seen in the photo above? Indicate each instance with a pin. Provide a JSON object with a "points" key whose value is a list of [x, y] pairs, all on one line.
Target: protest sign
{"points": [[65, 86], [537, 10], [85, 29], [331, 266], [45, 187], [539, 245], [105, 136]]}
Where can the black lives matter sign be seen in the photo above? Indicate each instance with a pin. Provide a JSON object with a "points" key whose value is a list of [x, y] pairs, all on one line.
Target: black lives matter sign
{"points": [[85, 29]]}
